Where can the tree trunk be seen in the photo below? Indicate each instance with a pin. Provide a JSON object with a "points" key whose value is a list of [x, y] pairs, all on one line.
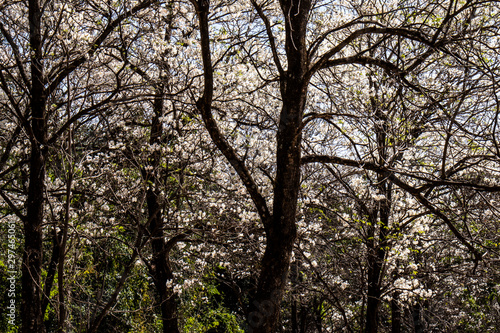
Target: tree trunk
{"points": [[318, 315], [161, 268], [418, 325], [377, 249], [396, 314], [160, 262], [295, 326], [31, 305], [376, 257], [281, 229], [373, 301]]}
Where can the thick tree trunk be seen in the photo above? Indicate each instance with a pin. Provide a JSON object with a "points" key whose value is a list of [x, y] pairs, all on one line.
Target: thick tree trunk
{"points": [[31, 305], [265, 308], [281, 229], [161, 266]]}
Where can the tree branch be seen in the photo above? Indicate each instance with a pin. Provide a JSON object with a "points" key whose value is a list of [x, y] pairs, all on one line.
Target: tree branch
{"points": [[415, 192], [270, 35], [15, 50], [55, 81], [204, 106]]}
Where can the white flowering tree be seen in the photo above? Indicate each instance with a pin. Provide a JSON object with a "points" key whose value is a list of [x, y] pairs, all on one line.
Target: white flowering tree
{"points": [[407, 113], [262, 165], [55, 70], [425, 77]]}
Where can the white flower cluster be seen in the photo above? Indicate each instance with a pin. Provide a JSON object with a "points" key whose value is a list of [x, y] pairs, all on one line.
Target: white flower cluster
{"points": [[410, 289]]}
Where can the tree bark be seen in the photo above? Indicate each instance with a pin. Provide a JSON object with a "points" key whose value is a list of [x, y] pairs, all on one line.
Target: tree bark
{"points": [[396, 314], [418, 324], [161, 268], [373, 301], [377, 249], [31, 305], [376, 256], [281, 229], [318, 320]]}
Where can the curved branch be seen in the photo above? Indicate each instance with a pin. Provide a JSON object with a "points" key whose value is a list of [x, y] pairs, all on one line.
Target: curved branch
{"points": [[366, 165], [204, 106], [13, 206], [406, 33], [415, 192], [364, 60], [270, 35], [95, 45], [15, 50]]}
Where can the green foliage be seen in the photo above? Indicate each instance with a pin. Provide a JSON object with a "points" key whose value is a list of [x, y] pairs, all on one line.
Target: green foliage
{"points": [[204, 309]]}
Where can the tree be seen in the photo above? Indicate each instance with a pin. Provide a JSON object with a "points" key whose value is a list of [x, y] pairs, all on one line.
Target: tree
{"points": [[401, 39], [37, 62], [276, 165]]}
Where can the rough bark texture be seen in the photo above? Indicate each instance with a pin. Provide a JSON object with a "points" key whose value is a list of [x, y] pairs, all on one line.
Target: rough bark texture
{"points": [[396, 314], [161, 267], [40, 88], [418, 323]]}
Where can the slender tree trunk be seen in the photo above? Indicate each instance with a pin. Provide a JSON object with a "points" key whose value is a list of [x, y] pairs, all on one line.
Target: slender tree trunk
{"points": [[160, 262], [396, 314], [51, 271], [418, 324], [31, 305], [318, 315], [65, 225], [372, 304], [377, 249], [62, 247], [303, 319], [376, 256], [293, 309], [295, 327]]}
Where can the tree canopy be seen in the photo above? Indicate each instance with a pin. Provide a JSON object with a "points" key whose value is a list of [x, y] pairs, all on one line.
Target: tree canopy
{"points": [[250, 166]]}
